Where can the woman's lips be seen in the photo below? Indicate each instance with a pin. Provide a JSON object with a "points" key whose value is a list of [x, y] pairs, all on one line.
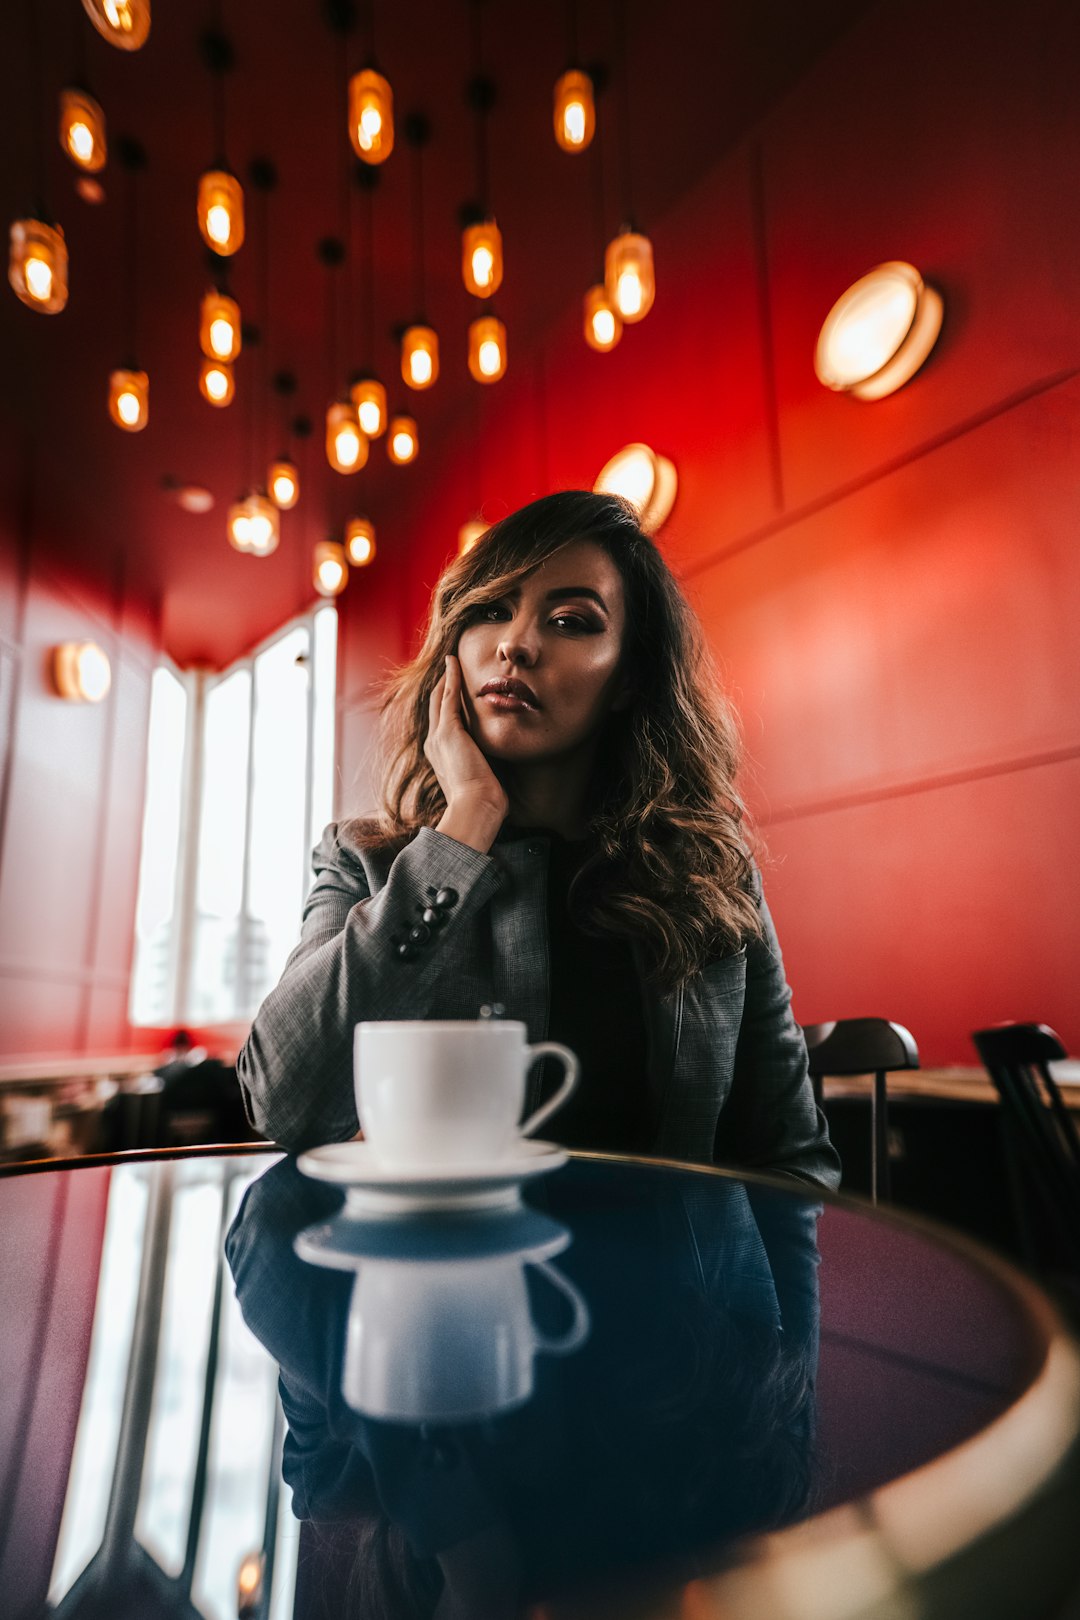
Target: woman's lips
{"points": [[507, 703]]}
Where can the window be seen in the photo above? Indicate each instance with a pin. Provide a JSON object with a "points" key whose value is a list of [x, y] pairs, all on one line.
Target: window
{"points": [[240, 783]]}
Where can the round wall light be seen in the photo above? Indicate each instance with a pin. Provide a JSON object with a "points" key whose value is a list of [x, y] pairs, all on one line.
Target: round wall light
{"points": [[81, 672], [646, 480], [877, 335]]}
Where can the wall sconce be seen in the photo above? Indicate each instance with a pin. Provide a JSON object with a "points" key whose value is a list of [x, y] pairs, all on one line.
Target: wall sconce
{"points": [[124, 23], [469, 534], [646, 480], [360, 541], [877, 335], [330, 572], [81, 672]]}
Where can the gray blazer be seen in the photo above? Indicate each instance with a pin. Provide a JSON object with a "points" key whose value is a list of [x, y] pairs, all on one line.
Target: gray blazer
{"points": [[726, 1060]]}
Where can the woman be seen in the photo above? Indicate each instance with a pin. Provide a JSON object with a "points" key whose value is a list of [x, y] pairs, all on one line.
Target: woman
{"points": [[561, 834]]}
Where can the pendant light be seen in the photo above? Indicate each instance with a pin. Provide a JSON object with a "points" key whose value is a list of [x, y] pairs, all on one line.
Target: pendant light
{"points": [[628, 263], [38, 258], [601, 323], [575, 105], [283, 478], [216, 382], [481, 241], [254, 524], [402, 440], [419, 341], [487, 349], [219, 326], [129, 387], [346, 445], [82, 129], [366, 390], [330, 571], [124, 23], [371, 105], [360, 541], [221, 197]]}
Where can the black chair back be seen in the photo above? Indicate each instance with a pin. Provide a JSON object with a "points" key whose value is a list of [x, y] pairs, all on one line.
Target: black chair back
{"points": [[864, 1046], [1042, 1142]]}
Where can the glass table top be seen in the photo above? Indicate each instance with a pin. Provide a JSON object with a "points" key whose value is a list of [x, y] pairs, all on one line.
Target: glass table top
{"points": [[639, 1389]]}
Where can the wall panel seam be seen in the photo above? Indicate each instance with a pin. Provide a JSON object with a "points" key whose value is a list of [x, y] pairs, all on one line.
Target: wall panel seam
{"points": [[797, 515]]}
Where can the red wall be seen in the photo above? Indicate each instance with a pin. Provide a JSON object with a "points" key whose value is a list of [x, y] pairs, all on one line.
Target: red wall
{"points": [[71, 795], [891, 588]]}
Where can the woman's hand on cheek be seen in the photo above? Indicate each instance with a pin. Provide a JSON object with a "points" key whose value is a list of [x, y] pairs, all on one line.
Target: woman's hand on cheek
{"points": [[469, 784]]}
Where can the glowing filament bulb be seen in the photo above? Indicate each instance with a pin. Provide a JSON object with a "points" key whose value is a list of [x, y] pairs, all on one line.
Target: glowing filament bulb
{"points": [[370, 418], [218, 223], [347, 445], [331, 574], [483, 264], [603, 325], [81, 141], [128, 406], [574, 123], [221, 337], [629, 293], [369, 127], [119, 14], [403, 445], [420, 367], [39, 278], [490, 357]]}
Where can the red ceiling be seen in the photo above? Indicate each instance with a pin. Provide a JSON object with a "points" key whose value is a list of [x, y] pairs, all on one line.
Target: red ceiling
{"points": [[698, 74]]}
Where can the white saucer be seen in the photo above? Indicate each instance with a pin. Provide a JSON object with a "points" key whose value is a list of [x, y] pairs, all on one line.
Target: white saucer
{"points": [[447, 1237], [372, 1187]]}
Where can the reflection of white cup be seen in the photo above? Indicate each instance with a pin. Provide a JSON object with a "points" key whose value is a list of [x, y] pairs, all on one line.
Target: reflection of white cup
{"points": [[449, 1093], [448, 1342]]}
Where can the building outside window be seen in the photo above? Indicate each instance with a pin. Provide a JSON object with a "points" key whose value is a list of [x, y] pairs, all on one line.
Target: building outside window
{"points": [[240, 784]]}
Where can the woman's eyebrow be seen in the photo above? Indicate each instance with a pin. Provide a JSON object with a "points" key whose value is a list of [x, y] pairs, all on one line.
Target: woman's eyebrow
{"points": [[577, 590]]}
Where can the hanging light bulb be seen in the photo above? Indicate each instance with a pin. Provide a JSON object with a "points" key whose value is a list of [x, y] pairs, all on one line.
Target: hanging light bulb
{"points": [[628, 275], [487, 349], [575, 111], [82, 130], [221, 211], [469, 534], [603, 324], [360, 541], [329, 570], [419, 356], [369, 397], [346, 446], [81, 671], [284, 483], [254, 525], [371, 116], [124, 23], [403, 442], [219, 327], [37, 267], [482, 258], [216, 382], [129, 399]]}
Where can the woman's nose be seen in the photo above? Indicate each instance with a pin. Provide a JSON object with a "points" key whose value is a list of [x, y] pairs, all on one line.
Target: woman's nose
{"points": [[518, 646]]}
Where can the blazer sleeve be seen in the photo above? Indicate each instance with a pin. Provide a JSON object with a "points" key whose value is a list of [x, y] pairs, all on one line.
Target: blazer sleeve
{"points": [[295, 1069], [770, 1120]]}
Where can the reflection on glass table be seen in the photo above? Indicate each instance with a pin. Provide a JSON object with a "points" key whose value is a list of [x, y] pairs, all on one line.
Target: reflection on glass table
{"points": [[646, 1391]]}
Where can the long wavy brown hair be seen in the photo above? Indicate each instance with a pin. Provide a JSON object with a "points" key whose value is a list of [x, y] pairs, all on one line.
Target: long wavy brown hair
{"points": [[668, 864]]}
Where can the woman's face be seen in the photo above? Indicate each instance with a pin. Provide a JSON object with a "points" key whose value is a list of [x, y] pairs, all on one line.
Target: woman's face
{"points": [[556, 642]]}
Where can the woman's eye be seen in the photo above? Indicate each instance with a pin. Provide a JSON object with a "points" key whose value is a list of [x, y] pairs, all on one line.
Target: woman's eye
{"points": [[488, 611], [575, 621]]}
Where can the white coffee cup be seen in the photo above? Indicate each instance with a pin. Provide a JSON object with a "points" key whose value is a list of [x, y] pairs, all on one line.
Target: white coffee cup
{"points": [[435, 1093], [449, 1343]]}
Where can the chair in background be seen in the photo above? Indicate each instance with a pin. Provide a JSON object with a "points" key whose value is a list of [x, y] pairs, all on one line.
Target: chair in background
{"points": [[874, 1046], [1041, 1140]]}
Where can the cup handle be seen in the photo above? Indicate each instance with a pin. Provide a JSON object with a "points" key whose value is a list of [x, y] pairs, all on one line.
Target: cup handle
{"points": [[570, 1080], [578, 1331]]}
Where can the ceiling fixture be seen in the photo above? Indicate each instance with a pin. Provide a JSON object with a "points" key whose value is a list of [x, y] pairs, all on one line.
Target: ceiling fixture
{"points": [[648, 481], [254, 524], [38, 259], [283, 479], [481, 238], [628, 263], [601, 321], [330, 571], [402, 440], [124, 23], [216, 382], [419, 341], [81, 672], [346, 445], [129, 388], [487, 349], [879, 332], [575, 106], [371, 105], [366, 391], [360, 541], [82, 129], [221, 197]]}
